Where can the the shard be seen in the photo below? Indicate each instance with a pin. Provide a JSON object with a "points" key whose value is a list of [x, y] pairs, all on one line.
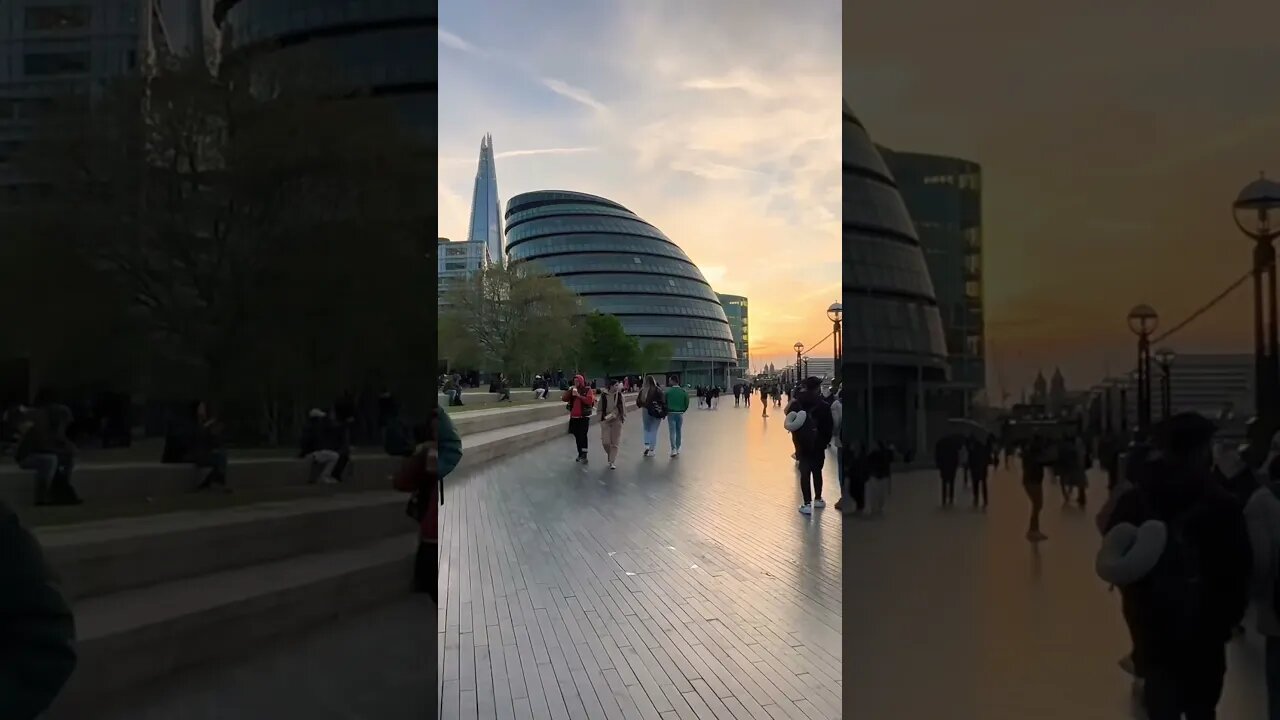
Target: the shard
{"points": [[486, 216]]}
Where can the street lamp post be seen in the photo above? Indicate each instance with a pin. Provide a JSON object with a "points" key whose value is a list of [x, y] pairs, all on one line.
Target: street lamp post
{"points": [[1252, 211], [835, 314], [1143, 321], [1124, 410], [799, 347], [1108, 408], [1165, 358]]}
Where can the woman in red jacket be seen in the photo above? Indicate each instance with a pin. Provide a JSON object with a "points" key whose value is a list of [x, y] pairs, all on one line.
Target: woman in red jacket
{"points": [[432, 461], [580, 398]]}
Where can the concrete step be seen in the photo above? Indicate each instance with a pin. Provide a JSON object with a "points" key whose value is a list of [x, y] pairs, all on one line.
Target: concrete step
{"points": [[129, 639], [483, 447], [108, 556], [470, 422]]}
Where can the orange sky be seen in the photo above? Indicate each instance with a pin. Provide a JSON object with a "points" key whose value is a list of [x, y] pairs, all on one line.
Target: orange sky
{"points": [[1109, 166]]}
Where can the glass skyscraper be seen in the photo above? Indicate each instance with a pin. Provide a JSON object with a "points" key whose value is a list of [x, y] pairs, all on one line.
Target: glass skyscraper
{"points": [[621, 265], [735, 309], [894, 345], [486, 215]]}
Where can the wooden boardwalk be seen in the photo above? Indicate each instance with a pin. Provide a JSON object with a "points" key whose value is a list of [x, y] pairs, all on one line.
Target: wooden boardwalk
{"points": [[669, 588]]}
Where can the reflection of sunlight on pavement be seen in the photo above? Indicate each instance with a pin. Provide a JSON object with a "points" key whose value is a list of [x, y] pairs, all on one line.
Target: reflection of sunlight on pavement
{"points": [[703, 551]]}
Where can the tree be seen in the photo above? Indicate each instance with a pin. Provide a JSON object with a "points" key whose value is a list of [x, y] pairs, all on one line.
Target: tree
{"points": [[655, 358], [510, 318], [265, 232], [606, 346]]}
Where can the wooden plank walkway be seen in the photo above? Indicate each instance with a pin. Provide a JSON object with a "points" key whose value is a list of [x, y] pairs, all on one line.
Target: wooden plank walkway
{"points": [[669, 588]]}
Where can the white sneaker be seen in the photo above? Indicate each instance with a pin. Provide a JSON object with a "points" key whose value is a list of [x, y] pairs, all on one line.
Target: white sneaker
{"points": [[806, 509], [328, 481], [675, 453], [613, 466], [819, 503]]}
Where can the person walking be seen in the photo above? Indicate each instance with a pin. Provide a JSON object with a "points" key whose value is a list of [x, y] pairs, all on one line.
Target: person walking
{"points": [[737, 394], [652, 403], [746, 395], [1262, 516], [580, 400], [879, 469], [1188, 605], [764, 401], [1033, 461], [676, 400], [946, 455], [979, 465], [612, 415], [845, 503]]}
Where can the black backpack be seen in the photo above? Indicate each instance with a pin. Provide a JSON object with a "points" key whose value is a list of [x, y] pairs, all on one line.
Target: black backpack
{"points": [[1178, 585], [657, 409], [806, 436]]}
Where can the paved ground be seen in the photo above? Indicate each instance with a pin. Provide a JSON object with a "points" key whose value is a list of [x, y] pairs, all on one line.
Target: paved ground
{"points": [[952, 614], [670, 588], [371, 666]]}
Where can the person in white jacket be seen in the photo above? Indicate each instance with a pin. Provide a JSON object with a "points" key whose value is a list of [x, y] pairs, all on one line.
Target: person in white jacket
{"points": [[837, 423], [1262, 515]]}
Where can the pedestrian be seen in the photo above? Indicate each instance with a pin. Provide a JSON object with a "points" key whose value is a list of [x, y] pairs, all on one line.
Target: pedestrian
{"points": [[764, 401], [612, 415], [1033, 463], [44, 448], [1187, 606], [879, 464], [962, 449], [318, 449], [676, 402], [979, 463], [652, 402], [946, 455], [579, 400], [38, 651], [811, 425], [1262, 515], [737, 394], [746, 395], [845, 503], [209, 448]]}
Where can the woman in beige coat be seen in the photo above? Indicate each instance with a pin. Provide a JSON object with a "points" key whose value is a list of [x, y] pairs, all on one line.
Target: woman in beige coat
{"points": [[613, 413]]}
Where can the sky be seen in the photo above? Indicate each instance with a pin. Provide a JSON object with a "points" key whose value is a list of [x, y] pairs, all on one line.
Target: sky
{"points": [[717, 121], [1113, 138]]}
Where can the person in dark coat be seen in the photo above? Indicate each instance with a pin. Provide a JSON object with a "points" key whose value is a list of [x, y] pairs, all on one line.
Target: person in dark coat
{"points": [[37, 628], [946, 455], [979, 457], [1186, 609]]}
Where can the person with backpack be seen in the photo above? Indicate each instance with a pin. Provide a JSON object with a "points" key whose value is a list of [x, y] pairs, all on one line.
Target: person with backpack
{"points": [[651, 400], [675, 404], [811, 425], [579, 400], [1186, 607]]}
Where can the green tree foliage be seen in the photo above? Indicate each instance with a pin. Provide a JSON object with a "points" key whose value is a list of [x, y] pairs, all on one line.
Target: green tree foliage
{"points": [[655, 358], [514, 319], [606, 347], [265, 235]]}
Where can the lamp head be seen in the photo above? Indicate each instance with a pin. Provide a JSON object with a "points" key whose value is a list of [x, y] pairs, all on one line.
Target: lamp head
{"points": [[835, 312], [1165, 357], [1256, 207], [798, 346], [1143, 319]]}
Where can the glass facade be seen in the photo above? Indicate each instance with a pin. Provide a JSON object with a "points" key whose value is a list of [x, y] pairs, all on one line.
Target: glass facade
{"points": [[623, 266], [890, 310], [894, 346], [486, 215], [735, 308], [376, 45], [944, 198]]}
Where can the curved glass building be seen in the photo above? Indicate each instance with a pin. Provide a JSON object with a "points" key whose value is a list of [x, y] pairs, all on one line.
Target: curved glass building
{"points": [[376, 45], [894, 345], [621, 265]]}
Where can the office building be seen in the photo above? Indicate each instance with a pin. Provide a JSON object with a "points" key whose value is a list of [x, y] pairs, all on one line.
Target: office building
{"points": [[486, 214], [455, 262], [378, 47], [944, 197], [894, 345], [75, 48], [735, 309], [623, 266]]}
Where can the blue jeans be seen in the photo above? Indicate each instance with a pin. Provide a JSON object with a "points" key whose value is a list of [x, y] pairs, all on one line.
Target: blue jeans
{"points": [[1273, 677], [675, 425], [651, 424]]}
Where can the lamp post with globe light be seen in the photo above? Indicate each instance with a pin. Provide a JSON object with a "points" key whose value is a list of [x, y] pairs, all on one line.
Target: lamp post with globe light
{"points": [[1142, 322], [1165, 358], [799, 348], [1252, 212], [835, 314]]}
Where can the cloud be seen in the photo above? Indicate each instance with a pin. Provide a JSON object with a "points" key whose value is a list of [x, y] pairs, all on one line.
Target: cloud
{"points": [[712, 170], [575, 94], [738, 80], [544, 151], [449, 40]]}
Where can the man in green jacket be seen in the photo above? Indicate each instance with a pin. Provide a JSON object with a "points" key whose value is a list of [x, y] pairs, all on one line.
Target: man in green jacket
{"points": [[37, 630], [677, 404]]}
